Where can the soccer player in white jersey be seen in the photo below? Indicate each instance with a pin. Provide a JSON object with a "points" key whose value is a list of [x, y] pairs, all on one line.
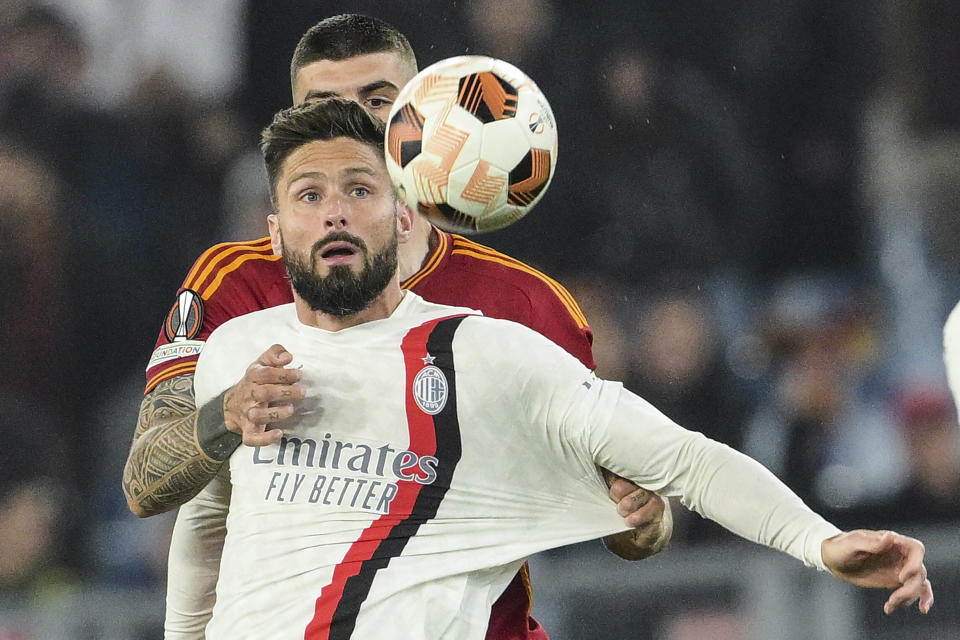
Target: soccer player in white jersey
{"points": [[384, 503]]}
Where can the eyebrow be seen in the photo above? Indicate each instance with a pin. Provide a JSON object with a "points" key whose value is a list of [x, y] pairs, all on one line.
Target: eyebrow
{"points": [[320, 95], [373, 87], [365, 90], [346, 172], [362, 170]]}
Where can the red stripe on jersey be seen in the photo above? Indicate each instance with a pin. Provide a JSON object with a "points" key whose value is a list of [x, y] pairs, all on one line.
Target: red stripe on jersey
{"points": [[339, 603]]}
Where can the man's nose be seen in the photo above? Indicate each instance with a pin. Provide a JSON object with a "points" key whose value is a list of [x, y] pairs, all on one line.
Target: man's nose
{"points": [[336, 214]]}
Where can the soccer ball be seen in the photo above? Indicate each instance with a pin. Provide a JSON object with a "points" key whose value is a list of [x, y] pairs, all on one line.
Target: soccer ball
{"points": [[472, 143]]}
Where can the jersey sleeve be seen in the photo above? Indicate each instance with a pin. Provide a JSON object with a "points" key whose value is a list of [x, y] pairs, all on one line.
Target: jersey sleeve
{"points": [[558, 317], [610, 427], [201, 305], [193, 564], [504, 287], [716, 481]]}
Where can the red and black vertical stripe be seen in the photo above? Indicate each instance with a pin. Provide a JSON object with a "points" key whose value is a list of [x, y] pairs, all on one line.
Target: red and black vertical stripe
{"points": [[336, 610]]}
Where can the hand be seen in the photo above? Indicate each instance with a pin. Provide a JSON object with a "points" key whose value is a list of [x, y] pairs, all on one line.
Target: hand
{"points": [[266, 394], [647, 513], [884, 560]]}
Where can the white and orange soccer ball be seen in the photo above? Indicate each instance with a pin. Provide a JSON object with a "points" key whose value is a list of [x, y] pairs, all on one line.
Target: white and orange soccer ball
{"points": [[472, 143]]}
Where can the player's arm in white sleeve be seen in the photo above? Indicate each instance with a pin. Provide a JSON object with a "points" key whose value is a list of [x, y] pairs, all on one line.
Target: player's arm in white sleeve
{"points": [[193, 564], [617, 430], [709, 477], [951, 352], [739, 493]]}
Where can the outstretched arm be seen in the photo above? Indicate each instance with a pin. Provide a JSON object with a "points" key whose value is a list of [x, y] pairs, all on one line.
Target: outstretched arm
{"points": [[740, 494], [178, 448]]}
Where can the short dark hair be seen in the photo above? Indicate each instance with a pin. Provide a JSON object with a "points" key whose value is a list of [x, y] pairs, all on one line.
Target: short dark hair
{"points": [[346, 36], [319, 120]]}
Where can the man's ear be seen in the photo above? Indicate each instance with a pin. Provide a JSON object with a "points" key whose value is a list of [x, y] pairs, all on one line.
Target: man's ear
{"points": [[405, 221], [275, 237]]}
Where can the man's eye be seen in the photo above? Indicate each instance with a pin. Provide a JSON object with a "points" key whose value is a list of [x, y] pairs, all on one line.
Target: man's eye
{"points": [[361, 191], [311, 196], [378, 103]]}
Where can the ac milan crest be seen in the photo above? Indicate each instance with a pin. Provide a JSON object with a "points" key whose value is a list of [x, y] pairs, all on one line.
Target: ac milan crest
{"points": [[430, 390]]}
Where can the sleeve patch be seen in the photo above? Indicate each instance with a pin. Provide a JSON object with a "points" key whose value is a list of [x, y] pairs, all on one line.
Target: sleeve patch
{"points": [[174, 351], [185, 318]]}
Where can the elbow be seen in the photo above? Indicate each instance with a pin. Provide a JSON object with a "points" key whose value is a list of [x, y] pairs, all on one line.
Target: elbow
{"points": [[136, 507], [140, 505]]}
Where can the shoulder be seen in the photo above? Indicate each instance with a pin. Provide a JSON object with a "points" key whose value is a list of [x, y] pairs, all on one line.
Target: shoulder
{"points": [[239, 341], [495, 269], [473, 275], [414, 305], [251, 326], [223, 265], [499, 338]]}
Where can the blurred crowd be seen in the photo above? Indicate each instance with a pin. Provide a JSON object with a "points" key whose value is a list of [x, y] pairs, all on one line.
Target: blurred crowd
{"points": [[749, 216]]}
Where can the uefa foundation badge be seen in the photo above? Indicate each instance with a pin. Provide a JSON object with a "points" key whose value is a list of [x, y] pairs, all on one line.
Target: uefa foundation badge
{"points": [[430, 388]]}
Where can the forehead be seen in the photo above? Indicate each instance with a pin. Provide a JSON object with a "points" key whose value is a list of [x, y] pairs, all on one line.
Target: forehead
{"points": [[333, 158], [345, 77]]}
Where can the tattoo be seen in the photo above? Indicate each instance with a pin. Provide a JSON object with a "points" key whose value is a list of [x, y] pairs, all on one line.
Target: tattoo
{"points": [[167, 466]]}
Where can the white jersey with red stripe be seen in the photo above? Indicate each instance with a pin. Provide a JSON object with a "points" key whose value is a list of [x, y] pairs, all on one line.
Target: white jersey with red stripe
{"points": [[436, 451]]}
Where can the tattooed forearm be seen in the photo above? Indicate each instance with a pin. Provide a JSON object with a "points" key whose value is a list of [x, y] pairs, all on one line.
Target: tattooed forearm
{"points": [[167, 466]]}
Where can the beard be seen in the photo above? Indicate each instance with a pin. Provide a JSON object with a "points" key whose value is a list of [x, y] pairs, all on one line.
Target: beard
{"points": [[341, 292]]}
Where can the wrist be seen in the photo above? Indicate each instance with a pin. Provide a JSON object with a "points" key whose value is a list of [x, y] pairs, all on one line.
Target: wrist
{"points": [[216, 441]]}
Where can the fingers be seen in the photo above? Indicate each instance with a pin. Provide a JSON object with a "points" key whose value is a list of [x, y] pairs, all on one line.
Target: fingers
{"points": [[261, 374], [926, 597], [268, 393], [632, 502], [640, 507], [275, 356], [907, 595], [264, 415], [620, 488], [912, 576], [262, 437], [264, 393]]}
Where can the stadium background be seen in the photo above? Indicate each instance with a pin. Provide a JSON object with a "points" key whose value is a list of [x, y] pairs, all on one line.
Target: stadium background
{"points": [[755, 204]]}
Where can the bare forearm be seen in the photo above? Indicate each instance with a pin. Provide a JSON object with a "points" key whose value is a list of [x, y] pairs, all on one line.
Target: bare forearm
{"points": [[176, 449]]}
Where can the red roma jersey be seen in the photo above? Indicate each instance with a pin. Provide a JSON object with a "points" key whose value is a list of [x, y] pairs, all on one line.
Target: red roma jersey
{"points": [[236, 278]]}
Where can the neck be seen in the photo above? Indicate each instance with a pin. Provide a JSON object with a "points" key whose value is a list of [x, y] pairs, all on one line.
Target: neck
{"points": [[381, 307], [413, 253]]}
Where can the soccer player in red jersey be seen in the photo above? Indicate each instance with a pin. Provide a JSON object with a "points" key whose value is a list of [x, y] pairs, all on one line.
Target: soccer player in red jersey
{"points": [[176, 451]]}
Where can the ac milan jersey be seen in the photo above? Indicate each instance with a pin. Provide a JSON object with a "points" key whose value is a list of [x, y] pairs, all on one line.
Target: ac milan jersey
{"points": [[235, 278], [440, 449]]}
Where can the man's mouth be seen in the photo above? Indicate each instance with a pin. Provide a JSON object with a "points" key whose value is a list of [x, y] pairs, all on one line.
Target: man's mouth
{"points": [[338, 253]]}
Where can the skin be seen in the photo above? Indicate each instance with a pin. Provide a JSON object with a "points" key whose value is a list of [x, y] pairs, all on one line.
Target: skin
{"points": [[881, 560], [338, 185]]}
